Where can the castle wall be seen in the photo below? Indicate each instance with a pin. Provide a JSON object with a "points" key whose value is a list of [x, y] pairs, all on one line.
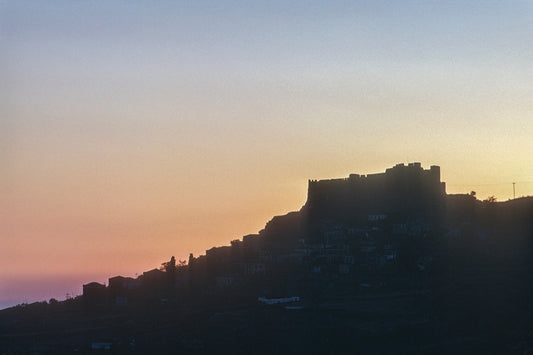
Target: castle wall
{"points": [[403, 189]]}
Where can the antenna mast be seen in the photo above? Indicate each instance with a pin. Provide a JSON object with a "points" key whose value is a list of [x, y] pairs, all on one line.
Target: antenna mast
{"points": [[514, 196]]}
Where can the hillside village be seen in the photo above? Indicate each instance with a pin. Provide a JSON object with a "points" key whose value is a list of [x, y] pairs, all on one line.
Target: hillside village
{"points": [[388, 231], [307, 246], [366, 250], [385, 250]]}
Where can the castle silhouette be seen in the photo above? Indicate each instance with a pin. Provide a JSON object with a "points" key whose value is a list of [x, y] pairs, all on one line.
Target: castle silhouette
{"points": [[401, 191]]}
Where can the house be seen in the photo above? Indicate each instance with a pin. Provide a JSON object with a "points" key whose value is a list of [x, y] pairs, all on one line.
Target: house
{"points": [[349, 259], [399, 228], [225, 281], [376, 217], [251, 242], [154, 275], [333, 254], [153, 280], [344, 268], [124, 283], [271, 301], [218, 260], [101, 345], [334, 236], [94, 295], [254, 268], [390, 252], [120, 288]]}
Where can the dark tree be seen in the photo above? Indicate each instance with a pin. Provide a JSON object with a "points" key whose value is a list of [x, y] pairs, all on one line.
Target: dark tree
{"points": [[169, 266]]}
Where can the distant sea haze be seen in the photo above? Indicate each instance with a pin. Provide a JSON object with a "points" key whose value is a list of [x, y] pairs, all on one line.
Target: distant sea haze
{"points": [[35, 289]]}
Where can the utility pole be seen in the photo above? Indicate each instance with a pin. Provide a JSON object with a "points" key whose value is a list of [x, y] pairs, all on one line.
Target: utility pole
{"points": [[514, 196]]}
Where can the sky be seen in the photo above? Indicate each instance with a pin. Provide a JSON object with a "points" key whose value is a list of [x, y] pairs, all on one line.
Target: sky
{"points": [[131, 131]]}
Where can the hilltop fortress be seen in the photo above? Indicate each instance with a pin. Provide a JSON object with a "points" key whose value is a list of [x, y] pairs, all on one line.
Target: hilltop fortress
{"points": [[404, 190], [403, 194]]}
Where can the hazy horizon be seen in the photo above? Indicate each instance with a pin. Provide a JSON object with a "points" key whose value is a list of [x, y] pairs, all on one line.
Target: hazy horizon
{"points": [[132, 132]]}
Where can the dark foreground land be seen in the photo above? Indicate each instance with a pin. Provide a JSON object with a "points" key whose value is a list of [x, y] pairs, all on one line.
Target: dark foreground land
{"points": [[483, 311]]}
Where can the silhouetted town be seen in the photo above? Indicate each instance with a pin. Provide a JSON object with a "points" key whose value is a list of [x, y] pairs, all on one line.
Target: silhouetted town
{"points": [[377, 263]]}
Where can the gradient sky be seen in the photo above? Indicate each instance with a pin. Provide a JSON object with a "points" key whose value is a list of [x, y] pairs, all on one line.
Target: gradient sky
{"points": [[131, 131]]}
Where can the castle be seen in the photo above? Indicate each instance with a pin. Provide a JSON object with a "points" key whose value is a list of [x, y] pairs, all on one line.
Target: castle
{"points": [[404, 190]]}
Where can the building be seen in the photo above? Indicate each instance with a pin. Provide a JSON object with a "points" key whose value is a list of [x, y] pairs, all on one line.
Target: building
{"points": [[401, 191], [94, 295]]}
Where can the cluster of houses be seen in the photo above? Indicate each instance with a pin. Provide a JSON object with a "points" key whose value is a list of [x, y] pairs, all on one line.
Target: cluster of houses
{"points": [[340, 250], [347, 226]]}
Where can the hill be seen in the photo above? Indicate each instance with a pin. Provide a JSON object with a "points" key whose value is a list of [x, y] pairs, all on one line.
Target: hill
{"points": [[378, 263]]}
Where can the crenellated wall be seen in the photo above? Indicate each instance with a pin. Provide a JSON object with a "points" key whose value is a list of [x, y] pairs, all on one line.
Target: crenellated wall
{"points": [[401, 190]]}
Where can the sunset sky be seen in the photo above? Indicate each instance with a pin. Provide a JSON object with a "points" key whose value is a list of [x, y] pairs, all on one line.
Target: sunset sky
{"points": [[131, 131]]}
